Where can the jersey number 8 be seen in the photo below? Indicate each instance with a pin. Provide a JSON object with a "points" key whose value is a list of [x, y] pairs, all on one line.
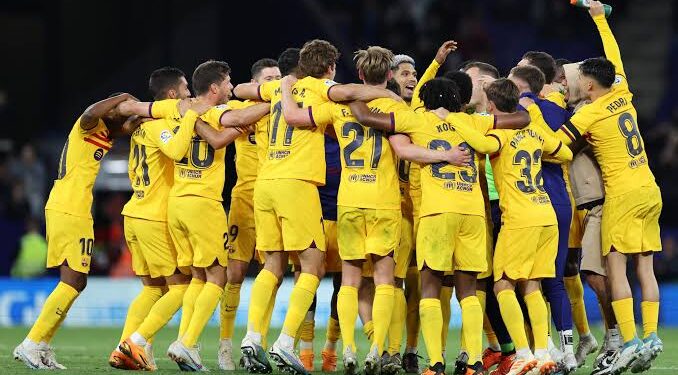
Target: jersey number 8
{"points": [[629, 130]]}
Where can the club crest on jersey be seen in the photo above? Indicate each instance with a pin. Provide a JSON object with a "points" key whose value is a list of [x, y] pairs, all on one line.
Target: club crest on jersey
{"points": [[330, 82], [617, 79], [165, 136], [99, 154], [222, 106]]}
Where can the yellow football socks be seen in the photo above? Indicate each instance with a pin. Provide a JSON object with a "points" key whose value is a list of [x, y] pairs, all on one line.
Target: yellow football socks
{"points": [[229, 305], [139, 309], [347, 309], [472, 323], [431, 326], [445, 296], [266, 323], [650, 313], [368, 330], [56, 305], [575, 291], [204, 307], [50, 334], [536, 307], [513, 318], [162, 311], [188, 304], [307, 330], [382, 311], [301, 299], [260, 299], [623, 310], [333, 332], [395, 330], [412, 322]]}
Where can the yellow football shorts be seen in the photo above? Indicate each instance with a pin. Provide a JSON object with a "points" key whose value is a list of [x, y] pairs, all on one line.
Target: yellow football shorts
{"points": [[363, 231], [526, 253], [288, 215], [403, 254], [69, 239], [332, 258], [451, 241], [630, 221], [199, 230], [150, 243], [489, 250], [241, 232]]}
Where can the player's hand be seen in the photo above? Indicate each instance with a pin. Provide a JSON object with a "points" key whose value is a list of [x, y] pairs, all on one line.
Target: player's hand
{"points": [[199, 106], [461, 157], [445, 50], [596, 8], [485, 80], [288, 80], [441, 112], [525, 102]]}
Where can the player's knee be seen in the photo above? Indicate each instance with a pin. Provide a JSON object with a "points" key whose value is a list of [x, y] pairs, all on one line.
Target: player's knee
{"points": [[571, 267], [78, 282]]}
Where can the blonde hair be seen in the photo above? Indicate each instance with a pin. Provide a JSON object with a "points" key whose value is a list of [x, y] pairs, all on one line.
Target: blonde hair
{"points": [[375, 63]]}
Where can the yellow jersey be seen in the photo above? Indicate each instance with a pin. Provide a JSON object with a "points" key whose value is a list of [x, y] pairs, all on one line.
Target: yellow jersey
{"points": [[246, 154], [78, 168], [202, 170], [368, 164], [610, 125], [297, 153], [445, 187], [153, 148]]}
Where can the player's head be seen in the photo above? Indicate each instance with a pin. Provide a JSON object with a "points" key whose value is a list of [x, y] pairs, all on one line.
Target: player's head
{"points": [[393, 86], [595, 74], [213, 78], [265, 70], [542, 61], [502, 96], [440, 92], [288, 62], [318, 59], [405, 74], [374, 65], [168, 83], [560, 71], [527, 78], [464, 83], [476, 70]]}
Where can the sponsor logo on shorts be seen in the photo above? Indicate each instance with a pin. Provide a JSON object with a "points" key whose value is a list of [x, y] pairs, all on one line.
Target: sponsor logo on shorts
{"points": [[99, 154]]}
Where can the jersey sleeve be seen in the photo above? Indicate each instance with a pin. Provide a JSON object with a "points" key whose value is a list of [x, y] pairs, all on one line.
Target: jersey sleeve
{"points": [[485, 144], [213, 115], [173, 145], [611, 48], [164, 108], [322, 115], [406, 121], [482, 122], [556, 98], [554, 147], [238, 104], [323, 87], [266, 90], [428, 75], [577, 125]]}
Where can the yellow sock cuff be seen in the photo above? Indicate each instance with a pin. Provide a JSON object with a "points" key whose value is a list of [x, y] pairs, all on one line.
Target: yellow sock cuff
{"points": [[482, 298], [650, 314], [267, 276], [469, 301], [66, 290], [534, 297], [623, 311], [384, 289], [308, 282], [333, 330], [429, 302], [213, 288], [348, 290], [232, 288], [154, 292], [368, 330], [506, 293], [307, 330]]}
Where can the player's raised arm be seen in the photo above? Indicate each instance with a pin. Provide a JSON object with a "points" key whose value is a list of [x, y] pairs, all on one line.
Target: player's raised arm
{"points": [[609, 42], [90, 118], [218, 139], [379, 121], [358, 91], [405, 149], [249, 90], [245, 116], [432, 70]]}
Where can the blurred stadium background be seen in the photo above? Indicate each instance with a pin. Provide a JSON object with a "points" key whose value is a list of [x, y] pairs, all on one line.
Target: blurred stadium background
{"points": [[60, 56]]}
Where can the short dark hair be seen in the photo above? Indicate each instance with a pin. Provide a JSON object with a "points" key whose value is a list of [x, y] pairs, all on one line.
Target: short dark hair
{"points": [[288, 61], [484, 68], [464, 83], [562, 61], [504, 94], [544, 62], [393, 85], [531, 75], [162, 80], [440, 92], [207, 73], [262, 64], [600, 69], [316, 57]]}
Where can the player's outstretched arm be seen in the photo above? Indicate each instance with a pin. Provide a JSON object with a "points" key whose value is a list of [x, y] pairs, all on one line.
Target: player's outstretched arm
{"points": [[134, 107], [249, 90], [357, 91], [405, 149], [379, 121], [294, 116], [175, 147], [245, 116], [90, 118], [554, 150], [218, 138], [609, 42], [432, 70]]}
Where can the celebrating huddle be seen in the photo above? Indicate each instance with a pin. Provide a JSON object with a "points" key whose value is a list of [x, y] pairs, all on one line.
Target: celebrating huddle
{"points": [[505, 189]]}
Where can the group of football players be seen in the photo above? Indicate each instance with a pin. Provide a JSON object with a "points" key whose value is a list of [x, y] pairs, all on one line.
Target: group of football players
{"points": [[508, 191]]}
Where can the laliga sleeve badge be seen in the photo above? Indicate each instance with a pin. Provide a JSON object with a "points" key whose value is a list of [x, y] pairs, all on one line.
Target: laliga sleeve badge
{"points": [[99, 154], [165, 136]]}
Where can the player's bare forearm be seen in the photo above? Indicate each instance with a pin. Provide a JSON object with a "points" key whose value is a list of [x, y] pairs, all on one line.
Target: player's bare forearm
{"points": [[249, 90], [478, 141], [294, 116], [516, 120], [356, 91], [218, 139], [90, 118], [245, 116], [379, 121], [133, 107]]}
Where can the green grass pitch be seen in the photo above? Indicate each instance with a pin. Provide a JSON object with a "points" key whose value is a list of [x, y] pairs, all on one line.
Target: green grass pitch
{"points": [[86, 350]]}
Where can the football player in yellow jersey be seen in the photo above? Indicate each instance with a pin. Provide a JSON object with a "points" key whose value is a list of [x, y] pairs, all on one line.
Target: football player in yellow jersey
{"points": [[151, 167], [633, 201], [68, 217], [368, 202], [287, 205], [241, 216], [527, 244], [462, 246]]}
